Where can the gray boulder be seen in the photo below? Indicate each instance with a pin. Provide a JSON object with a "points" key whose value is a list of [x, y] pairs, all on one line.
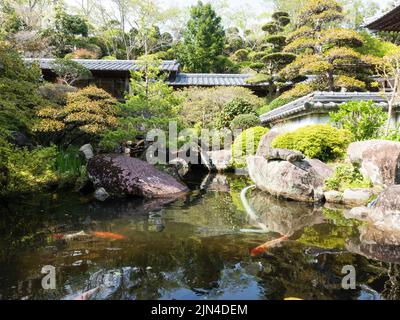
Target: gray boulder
{"points": [[384, 213], [219, 160], [301, 181], [122, 175], [333, 196], [87, 151], [101, 194], [358, 197], [265, 143], [379, 160]]}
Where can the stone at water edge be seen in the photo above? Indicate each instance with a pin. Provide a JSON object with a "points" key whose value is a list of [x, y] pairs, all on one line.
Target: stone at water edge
{"points": [[357, 197], [379, 160], [101, 194], [302, 181], [122, 175], [219, 160], [333, 196], [87, 150], [384, 213]]}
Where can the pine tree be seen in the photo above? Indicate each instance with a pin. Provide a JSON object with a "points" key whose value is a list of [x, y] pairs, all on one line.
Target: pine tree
{"points": [[326, 50], [203, 41]]}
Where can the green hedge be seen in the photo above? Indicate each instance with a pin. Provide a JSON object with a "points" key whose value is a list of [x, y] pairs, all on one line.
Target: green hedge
{"points": [[320, 141], [245, 121]]}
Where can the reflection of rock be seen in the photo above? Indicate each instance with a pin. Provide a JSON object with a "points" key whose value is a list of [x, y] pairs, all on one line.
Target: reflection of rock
{"points": [[301, 181], [384, 212], [284, 217], [379, 160], [123, 175], [376, 244], [215, 182]]}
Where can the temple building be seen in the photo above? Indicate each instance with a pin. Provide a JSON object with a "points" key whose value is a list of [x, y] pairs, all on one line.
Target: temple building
{"points": [[389, 21], [114, 76]]}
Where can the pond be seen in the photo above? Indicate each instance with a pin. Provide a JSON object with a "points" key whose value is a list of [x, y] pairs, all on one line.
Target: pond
{"points": [[198, 247]]}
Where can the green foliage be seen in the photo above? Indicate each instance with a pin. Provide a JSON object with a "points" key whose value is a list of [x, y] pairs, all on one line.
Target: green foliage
{"points": [[347, 176], [203, 40], [70, 71], [245, 121], [374, 46], [18, 91], [363, 119], [56, 93], [69, 166], [234, 108], [204, 105], [321, 141], [87, 113], [151, 104], [29, 171], [393, 135], [246, 144]]}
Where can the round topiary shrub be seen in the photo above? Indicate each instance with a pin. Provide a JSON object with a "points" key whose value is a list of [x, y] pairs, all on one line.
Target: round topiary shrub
{"points": [[320, 141], [245, 121], [234, 108], [246, 144]]}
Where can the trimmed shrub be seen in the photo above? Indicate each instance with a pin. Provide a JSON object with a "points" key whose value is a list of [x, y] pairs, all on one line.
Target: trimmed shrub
{"points": [[347, 176], [56, 93], [234, 108], [321, 141], [245, 121], [246, 144]]}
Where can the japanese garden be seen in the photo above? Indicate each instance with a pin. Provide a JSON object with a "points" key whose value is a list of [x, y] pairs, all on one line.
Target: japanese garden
{"points": [[199, 150]]}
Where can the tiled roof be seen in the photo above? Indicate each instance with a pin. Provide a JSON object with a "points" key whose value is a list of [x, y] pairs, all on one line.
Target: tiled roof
{"points": [[390, 21], [317, 101], [213, 79], [110, 65]]}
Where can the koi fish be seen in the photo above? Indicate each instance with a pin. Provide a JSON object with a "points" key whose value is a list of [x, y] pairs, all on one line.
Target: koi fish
{"points": [[264, 247], [292, 298], [87, 295], [108, 235]]}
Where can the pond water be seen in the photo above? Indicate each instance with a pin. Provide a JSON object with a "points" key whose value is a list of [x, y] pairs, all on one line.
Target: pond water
{"points": [[198, 247]]}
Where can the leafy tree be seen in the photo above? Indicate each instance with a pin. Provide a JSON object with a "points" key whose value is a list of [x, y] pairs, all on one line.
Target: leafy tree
{"points": [[65, 31], [389, 69], [150, 104], [87, 113], [363, 119], [69, 71], [19, 96], [203, 41], [326, 50], [234, 108]]}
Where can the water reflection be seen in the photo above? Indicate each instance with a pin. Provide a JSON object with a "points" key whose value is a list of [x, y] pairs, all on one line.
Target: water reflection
{"points": [[192, 248]]}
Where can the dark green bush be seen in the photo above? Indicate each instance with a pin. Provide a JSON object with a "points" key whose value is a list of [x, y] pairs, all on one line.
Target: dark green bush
{"points": [[320, 141], [234, 108], [245, 121]]}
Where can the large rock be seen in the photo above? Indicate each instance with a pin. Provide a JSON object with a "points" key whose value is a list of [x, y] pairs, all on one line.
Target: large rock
{"points": [[219, 160], [379, 160], [123, 175], [384, 213], [357, 197], [266, 141], [301, 181]]}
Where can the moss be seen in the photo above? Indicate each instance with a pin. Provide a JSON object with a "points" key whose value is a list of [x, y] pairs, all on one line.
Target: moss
{"points": [[347, 176]]}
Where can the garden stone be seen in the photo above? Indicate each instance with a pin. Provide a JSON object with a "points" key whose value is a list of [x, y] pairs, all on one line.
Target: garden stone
{"points": [[284, 154], [379, 160], [220, 160], [122, 175], [384, 212], [357, 197], [101, 194], [301, 181], [87, 150], [265, 143], [333, 196]]}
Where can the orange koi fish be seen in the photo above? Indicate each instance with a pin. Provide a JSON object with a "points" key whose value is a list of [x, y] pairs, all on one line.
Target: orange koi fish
{"points": [[108, 235], [264, 247], [88, 294]]}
